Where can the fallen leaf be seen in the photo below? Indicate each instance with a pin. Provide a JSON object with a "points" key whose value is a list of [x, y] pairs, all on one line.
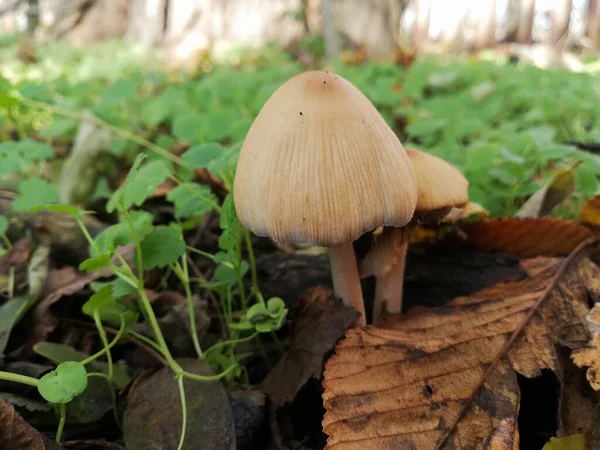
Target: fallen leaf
{"points": [[16, 434], [526, 237], [153, 414], [248, 409], [575, 442], [590, 213], [506, 437], [321, 320], [10, 313], [579, 404], [402, 384], [25, 402], [589, 356], [558, 189]]}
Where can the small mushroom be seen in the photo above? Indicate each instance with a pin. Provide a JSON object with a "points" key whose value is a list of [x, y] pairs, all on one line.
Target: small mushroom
{"points": [[441, 187], [320, 166]]}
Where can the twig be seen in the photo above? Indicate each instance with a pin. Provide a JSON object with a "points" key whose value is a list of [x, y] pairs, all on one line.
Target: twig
{"points": [[555, 279]]}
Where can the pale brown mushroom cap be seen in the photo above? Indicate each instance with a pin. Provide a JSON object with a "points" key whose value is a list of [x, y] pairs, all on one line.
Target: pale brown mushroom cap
{"points": [[441, 186], [321, 166]]}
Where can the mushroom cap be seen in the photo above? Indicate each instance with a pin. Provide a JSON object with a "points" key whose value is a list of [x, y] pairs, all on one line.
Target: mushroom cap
{"points": [[440, 185], [321, 166]]}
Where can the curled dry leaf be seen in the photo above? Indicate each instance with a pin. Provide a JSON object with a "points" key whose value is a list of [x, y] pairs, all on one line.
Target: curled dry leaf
{"points": [[321, 320], [403, 384], [16, 434], [526, 237], [557, 190], [589, 356]]}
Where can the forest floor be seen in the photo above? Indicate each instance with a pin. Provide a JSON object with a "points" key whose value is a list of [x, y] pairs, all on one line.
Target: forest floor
{"points": [[110, 164]]}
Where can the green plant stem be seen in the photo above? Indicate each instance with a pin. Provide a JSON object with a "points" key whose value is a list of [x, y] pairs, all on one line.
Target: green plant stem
{"points": [[205, 199], [125, 134], [181, 270], [23, 379], [201, 253], [219, 345], [104, 340], [113, 395], [62, 410], [145, 301], [183, 411], [107, 346], [6, 242], [147, 341], [252, 262], [86, 233], [193, 376]]}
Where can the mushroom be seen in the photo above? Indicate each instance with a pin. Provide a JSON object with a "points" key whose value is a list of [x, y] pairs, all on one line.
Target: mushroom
{"points": [[441, 187], [320, 166]]}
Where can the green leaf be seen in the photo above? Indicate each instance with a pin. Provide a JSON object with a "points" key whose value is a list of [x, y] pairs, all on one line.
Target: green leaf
{"points": [[60, 128], [228, 217], [187, 127], [32, 192], [11, 313], [192, 200], [574, 442], [100, 300], [139, 184], [226, 272], [64, 383], [76, 212], [3, 225], [275, 305], [120, 234], [162, 246], [59, 353], [121, 288], [96, 263], [199, 156], [102, 190]]}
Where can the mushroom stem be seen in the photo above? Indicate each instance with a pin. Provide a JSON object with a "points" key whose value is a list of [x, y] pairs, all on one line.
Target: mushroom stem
{"points": [[346, 280], [389, 287]]}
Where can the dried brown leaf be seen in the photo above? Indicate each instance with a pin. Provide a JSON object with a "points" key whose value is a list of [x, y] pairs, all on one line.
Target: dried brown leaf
{"points": [[153, 415], [321, 320], [16, 434], [589, 356], [403, 384], [526, 237]]}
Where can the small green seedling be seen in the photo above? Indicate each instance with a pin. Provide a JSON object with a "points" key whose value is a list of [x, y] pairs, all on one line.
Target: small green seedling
{"points": [[264, 318]]}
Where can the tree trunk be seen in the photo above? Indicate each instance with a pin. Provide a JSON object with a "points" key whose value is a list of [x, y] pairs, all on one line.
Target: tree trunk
{"points": [[33, 16], [421, 30], [593, 23], [486, 29], [329, 31], [525, 27], [560, 17]]}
